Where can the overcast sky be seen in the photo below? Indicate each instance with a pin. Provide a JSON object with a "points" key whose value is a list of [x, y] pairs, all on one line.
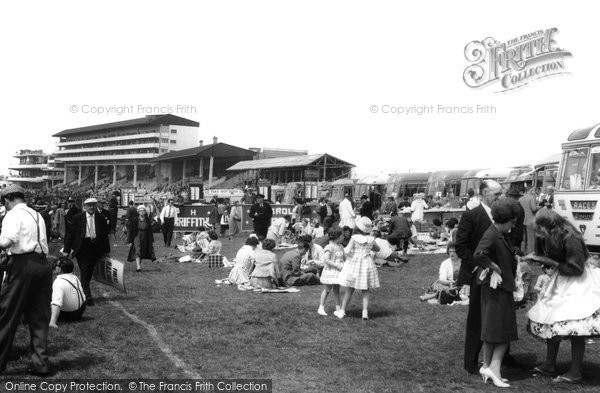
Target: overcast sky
{"points": [[298, 75]]}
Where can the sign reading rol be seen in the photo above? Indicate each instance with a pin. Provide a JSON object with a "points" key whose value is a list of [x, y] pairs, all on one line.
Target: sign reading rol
{"points": [[516, 62]]}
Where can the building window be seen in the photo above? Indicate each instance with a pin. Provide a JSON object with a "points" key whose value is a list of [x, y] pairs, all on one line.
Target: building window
{"points": [[165, 140], [173, 131], [173, 141]]}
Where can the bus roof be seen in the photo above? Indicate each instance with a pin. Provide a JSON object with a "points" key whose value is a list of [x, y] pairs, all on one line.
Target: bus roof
{"points": [[455, 174], [374, 179], [343, 182], [409, 176], [551, 159], [494, 173], [588, 133]]}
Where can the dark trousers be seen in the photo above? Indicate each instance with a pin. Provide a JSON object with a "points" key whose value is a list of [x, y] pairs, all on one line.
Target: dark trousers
{"points": [[167, 230], [27, 290], [261, 229], [71, 316], [473, 341], [87, 257], [305, 279]]}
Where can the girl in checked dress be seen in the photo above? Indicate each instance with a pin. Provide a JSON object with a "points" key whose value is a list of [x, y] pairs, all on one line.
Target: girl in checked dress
{"points": [[333, 259], [360, 271]]}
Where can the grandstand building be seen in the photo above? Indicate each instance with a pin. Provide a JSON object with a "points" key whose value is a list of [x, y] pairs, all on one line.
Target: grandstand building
{"points": [[122, 151], [36, 169]]}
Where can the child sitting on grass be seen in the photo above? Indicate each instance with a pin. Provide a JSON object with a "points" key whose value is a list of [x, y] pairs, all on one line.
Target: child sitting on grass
{"points": [[436, 230]]}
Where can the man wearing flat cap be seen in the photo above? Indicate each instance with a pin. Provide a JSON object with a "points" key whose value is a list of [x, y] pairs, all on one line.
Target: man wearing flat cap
{"points": [[261, 214], [28, 286], [89, 242]]}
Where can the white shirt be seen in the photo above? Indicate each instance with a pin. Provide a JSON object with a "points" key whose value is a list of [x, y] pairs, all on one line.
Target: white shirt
{"points": [[346, 214], [318, 232], [169, 212], [488, 210], [20, 228], [90, 228], [279, 226], [446, 270], [66, 296], [385, 248], [418, 206], [473, 202]]}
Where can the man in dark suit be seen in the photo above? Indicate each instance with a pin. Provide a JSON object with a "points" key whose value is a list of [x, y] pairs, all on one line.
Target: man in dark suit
{"points": [[105, 213], [366, 209], [89, 242], [325, 212], [289, 266], [517, 232], [72, 210], [471, 228], [261, 214]]}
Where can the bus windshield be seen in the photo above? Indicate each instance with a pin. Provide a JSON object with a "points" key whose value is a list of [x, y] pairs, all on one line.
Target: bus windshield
{"points": [[574, 169], [594, 177]]}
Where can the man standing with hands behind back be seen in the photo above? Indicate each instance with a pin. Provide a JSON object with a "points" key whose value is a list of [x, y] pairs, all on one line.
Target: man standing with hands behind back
{"points": [[89, 242], [261, 214], [28, 286]]}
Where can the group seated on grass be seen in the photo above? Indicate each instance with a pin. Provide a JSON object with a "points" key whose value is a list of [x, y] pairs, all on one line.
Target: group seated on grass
{"points": [[201, 245]]}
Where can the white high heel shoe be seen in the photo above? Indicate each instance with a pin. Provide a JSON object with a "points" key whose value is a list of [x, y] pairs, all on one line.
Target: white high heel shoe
{"points": [[486, 374]]}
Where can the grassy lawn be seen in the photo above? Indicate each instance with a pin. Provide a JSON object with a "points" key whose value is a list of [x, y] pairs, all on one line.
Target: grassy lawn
{"points": [[221, 332]]}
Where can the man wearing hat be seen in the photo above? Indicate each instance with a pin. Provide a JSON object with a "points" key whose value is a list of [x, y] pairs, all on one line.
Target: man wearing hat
{"points": [[261, 214], [528, 201], [28, 286], [89, 242]]}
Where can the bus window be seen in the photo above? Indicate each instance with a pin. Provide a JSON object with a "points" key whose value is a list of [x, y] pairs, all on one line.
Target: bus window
{"points": [[574, 169], [594, 181]]}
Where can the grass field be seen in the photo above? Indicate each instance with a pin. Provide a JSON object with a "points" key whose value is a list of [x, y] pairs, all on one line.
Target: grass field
{"points": [[208, 331]]}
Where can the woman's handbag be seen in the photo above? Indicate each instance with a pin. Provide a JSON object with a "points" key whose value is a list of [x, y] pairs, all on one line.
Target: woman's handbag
{"points": [[450, 295]]}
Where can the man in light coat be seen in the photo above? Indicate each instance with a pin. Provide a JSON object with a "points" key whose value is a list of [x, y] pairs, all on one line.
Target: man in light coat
{"points": [[347, 214], [529, 203]]}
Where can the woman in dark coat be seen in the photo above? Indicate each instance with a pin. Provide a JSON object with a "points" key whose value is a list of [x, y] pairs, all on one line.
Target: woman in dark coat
{"points": [[496, 257], [140, 238]]}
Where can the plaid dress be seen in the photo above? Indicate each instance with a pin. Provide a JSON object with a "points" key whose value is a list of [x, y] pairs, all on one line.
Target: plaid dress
{"points": [[335, 254], [360, 272]]}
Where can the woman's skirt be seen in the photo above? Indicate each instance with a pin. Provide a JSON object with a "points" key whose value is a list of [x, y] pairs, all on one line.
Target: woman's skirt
{"points": [[262, 282], [498, 317], [569, 306]]}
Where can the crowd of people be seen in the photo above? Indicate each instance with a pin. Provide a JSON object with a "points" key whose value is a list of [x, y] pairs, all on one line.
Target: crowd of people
{"points": [[493, 250]]}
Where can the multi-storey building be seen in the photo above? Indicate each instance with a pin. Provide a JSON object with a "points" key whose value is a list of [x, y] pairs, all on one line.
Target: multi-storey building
{"points": [[122, 150], [36, 169]]}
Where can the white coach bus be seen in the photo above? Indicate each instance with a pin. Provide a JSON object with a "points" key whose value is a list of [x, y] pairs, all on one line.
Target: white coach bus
{"points": [[578, 186]]}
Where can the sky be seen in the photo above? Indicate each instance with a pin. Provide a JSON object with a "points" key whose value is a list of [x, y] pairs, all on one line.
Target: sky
{"points": [[311, 75]]}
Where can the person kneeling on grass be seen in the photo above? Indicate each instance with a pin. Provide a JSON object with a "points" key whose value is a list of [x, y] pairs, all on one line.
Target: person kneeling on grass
{"points": [[386, 254], [68, 299], [446, 282], [291, 273]]}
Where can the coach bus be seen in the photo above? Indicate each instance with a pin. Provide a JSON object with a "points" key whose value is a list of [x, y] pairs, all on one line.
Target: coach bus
{"points": [[545, 172], [444, 183], [340, 188], [578, 186], [373, 187], [406, 184], [474, 178]]}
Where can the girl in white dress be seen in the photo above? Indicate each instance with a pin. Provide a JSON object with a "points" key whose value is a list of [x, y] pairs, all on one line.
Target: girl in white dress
{"points": [[360, 271], [333, 259]]}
